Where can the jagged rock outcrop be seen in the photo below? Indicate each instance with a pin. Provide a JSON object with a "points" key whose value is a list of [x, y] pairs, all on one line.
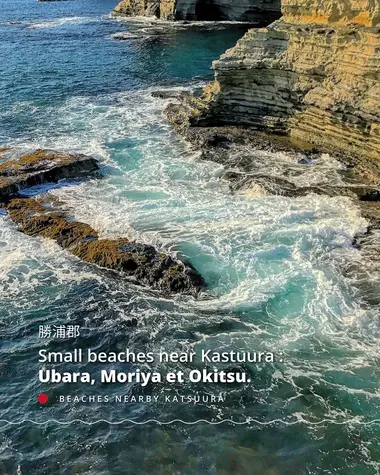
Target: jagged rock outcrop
{"points": [[43, 217], [257, 12], [313, 75]]}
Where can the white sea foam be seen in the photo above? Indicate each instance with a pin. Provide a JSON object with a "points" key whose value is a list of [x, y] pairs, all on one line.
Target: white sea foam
{"points": [[274, 265], [257, 251], [154, 21], [146, 27], [293, 167], [58, 22], [27, 263]]}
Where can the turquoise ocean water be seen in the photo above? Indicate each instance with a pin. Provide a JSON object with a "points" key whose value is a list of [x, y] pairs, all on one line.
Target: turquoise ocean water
{"points": [[274, 268]]}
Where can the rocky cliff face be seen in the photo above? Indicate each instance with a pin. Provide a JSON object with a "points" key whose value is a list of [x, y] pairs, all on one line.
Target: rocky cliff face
{"points": [[258, 12], [313, 75], [338, 12], [139, 8]]}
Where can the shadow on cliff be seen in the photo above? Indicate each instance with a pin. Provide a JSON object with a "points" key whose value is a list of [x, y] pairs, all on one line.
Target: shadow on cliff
{"points": [[215, 10]]}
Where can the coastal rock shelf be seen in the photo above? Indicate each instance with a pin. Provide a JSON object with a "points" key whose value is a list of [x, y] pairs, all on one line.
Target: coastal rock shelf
{"points": [[43, 217], [42, 166], [313, 75], [310, 80], [240, 149], [257, 12], [242, 152]]}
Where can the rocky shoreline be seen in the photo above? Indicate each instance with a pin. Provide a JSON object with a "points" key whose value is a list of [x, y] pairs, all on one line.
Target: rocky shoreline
{"points": [[316, 83], [42, 166], [215, 142], [238, 149], [307, 85], [44, 217]]}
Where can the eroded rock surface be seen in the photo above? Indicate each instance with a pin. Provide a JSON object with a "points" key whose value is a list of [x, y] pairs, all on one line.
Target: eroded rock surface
{"points": [[339, 12], [42, 166], [313, 75], [277, 164], [258, 163], [41, 217]]}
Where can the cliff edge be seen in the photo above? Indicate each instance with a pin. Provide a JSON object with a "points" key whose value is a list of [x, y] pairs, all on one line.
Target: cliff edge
{"points": [[313, 75]]}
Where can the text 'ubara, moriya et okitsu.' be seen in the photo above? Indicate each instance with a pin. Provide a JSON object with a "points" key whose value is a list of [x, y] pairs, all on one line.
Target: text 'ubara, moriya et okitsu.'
{"points": [[137, 376]]}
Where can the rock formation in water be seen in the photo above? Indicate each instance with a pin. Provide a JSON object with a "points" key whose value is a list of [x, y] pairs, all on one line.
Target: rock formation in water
{"points": [[258, 12], [314, 75], [43, 217], [42, 166]]}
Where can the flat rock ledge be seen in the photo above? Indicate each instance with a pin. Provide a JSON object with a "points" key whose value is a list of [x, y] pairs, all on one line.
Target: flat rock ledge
{"points": [[42, 217], [361, 177], [42, 166]]}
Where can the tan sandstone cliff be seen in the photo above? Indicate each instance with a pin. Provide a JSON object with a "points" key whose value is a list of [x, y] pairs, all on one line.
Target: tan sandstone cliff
{"points": [[313, 75], [259, 12]]}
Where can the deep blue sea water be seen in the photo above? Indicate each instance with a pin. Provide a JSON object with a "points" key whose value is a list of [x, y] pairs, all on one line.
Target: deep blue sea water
{"points": [[274, 268]]}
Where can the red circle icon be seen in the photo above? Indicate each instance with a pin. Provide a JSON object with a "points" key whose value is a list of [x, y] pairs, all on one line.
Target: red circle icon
{"points": [[43, 398]]}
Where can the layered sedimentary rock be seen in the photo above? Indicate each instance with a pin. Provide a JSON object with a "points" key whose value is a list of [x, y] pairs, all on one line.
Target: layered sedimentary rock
{"points": [[313, 75], [258, 12], [138, 8], [340, 12]]}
